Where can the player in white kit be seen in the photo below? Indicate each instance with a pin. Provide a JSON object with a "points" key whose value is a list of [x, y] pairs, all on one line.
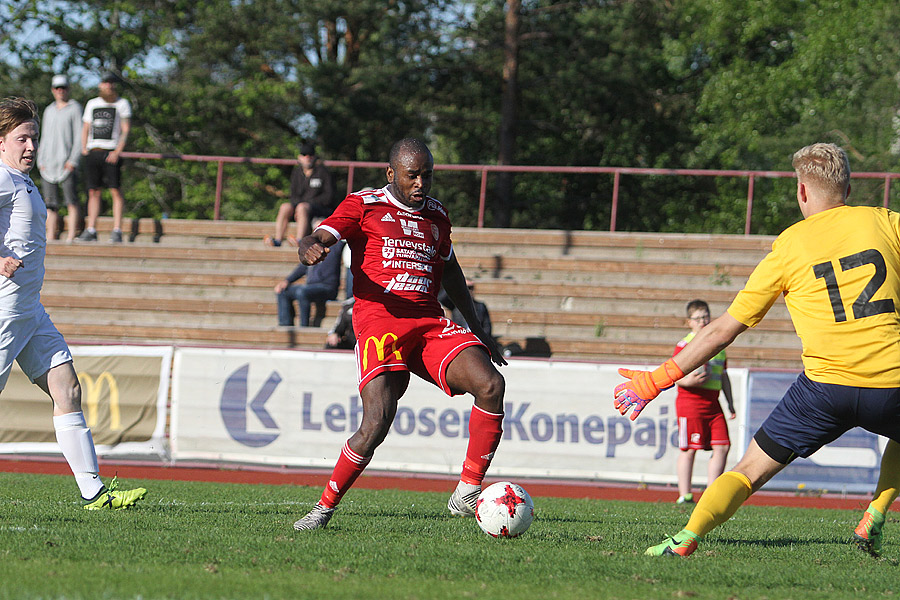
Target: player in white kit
{"points": [[26, 333]]}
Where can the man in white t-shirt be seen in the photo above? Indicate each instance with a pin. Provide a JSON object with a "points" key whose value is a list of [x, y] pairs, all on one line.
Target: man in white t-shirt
{"points": [[107, 122], [27, 335]]}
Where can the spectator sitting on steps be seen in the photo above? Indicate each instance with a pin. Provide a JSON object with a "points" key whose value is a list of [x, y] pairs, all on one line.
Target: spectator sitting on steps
{"points": [[322, 282], [311, 198]]}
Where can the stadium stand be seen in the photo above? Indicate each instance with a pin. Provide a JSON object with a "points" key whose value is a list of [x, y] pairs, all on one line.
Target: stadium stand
{"points": [[599, 296]]}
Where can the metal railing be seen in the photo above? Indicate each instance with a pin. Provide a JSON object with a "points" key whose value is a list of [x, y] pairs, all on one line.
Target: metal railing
{"points": [[616, 172]]}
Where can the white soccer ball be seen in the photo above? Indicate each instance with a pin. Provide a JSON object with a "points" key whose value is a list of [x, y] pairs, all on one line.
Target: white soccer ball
{"points": [[504, 509]]}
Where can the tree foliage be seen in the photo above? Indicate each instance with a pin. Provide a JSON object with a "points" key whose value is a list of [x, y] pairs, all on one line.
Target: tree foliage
{"points": [[651, 83], [774, 75]]}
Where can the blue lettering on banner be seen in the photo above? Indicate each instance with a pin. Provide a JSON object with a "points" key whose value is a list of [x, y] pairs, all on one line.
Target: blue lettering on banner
{"points": [[512, 421], [233, 408], [593, 430], [645, 434], [448, 423], [541, 427], [334, 417], [619, 430], [572, 422], [404, 421], [426, 419], [520, 423], [306, 417]]}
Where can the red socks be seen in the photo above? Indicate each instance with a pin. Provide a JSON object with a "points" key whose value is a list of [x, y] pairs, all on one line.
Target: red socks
{"points": [[485, 430], [349, 466]]}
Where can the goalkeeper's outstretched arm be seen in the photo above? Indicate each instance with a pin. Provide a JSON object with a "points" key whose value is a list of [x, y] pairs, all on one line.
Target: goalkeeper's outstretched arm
{"points": [[711, 340], [644, 386]]}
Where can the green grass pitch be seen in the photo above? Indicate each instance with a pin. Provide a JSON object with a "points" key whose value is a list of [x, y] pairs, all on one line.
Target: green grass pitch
{"points": [[203, 540]]}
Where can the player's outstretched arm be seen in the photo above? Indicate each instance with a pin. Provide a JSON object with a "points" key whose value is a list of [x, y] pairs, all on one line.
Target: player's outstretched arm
{"points": [[313, 248], [711, 340], [644, 386], [694, 378]]}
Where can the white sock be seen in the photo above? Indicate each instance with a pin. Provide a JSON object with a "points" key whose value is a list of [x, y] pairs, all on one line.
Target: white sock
{"points": [[467, 488], [77, 445]]}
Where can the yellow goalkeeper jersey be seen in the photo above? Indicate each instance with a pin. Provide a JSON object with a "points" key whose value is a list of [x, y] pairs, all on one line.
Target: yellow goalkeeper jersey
{"points": [[839, 271]]}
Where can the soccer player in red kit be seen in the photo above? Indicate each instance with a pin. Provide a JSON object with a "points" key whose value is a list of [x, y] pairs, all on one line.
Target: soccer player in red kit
{"points": [[399, 238]]}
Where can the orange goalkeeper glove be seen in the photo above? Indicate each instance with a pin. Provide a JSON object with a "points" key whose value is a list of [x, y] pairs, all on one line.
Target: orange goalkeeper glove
{"points": [[644, 386]]}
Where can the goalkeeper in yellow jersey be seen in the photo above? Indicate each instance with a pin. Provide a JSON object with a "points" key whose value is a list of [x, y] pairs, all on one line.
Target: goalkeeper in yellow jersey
{"points": [[839, 272]]}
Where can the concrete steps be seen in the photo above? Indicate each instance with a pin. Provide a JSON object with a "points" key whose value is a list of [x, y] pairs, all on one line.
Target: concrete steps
{"points": [[581, 295]]}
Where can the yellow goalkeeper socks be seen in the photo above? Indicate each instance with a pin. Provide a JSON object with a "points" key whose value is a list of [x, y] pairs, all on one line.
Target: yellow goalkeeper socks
{"points": [[888, 478], [719, 502]]}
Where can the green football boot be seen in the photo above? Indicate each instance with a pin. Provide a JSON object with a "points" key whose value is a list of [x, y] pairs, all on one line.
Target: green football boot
{"points": [[113, 498], [682, 543], [868, 533]]}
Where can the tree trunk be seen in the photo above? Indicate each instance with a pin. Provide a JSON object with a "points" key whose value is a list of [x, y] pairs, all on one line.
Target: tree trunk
{"points": [[509, 99]]}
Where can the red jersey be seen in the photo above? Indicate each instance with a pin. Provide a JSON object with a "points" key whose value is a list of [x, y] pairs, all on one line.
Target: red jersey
{"points": [[398, 252]]}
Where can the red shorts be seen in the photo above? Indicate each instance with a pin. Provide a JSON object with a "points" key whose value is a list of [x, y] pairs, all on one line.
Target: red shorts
{"points": [[702, 433], [424, 346]]}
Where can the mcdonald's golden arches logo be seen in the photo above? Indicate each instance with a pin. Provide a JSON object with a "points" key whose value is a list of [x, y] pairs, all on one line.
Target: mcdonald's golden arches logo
{"points": [[379, 348], [90, 394]]}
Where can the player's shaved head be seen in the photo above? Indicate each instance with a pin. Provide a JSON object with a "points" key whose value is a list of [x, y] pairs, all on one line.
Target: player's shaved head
{"points": [[14, 112], [825, 167], [407, 147], [410, 171]]}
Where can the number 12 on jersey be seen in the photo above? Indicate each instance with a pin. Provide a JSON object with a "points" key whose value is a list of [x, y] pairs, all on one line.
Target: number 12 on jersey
{"points": [[863, 306]]}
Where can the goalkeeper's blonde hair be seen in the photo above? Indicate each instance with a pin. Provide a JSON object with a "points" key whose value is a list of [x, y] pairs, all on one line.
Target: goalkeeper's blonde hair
{"points": [[824, 166]]}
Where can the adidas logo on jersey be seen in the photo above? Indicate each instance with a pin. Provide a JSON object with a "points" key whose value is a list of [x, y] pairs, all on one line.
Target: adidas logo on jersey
{"points": [[387, 218]]}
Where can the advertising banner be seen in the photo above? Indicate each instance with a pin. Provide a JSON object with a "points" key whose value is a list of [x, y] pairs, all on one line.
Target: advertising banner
{"points": [[124, 391], [298, 408]]}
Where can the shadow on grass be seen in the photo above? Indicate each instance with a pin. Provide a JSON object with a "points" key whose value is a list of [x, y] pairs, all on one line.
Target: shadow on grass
{"points": [[790, 542], [776, 543]]}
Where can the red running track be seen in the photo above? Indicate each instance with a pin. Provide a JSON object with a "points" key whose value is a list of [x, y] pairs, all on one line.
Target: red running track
{"points": [[414, 482]]}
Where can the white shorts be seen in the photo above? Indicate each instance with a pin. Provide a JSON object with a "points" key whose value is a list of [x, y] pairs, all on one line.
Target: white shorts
{"points": [[33, 342]]}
